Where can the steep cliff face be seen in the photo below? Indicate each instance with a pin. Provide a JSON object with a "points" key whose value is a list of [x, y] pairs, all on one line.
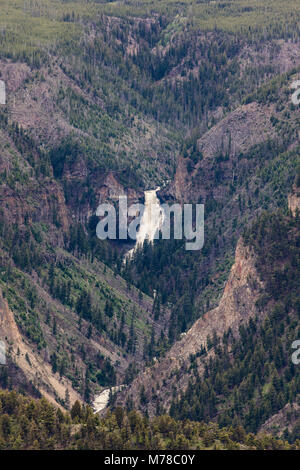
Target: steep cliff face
{"points": [[236, 307], [36, 370]]}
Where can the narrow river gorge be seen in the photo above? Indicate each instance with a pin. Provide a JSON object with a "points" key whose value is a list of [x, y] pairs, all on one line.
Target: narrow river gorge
{"points": [[151, 221]]}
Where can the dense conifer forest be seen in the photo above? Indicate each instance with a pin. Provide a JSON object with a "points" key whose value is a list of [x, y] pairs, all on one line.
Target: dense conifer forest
{"points": [[116, 98], [35, 424]]}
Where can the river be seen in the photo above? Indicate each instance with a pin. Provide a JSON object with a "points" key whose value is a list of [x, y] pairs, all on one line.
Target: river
{"points": [[101, 401]]}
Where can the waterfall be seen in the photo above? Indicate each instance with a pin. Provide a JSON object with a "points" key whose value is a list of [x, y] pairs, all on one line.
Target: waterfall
{"points": [[151, 221], [152, 218]]}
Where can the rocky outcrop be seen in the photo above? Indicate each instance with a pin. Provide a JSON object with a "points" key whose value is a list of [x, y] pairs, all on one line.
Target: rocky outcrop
{"points": [[248, 125], [222, 149], [236, 307], [284, 419]]}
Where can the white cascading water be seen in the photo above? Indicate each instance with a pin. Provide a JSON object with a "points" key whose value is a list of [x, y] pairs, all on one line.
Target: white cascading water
{"points": [[151, 221], [101, 401], [152, 218]]}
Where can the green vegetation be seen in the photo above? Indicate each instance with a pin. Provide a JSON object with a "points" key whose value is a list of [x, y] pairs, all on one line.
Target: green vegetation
{"points": [[35, 424], [253, 377], [106, 97]]}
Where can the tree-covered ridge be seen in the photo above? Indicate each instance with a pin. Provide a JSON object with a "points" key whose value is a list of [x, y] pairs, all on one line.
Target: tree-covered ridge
{"points": [[37, 425], [253, 377], [58, 16]]}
